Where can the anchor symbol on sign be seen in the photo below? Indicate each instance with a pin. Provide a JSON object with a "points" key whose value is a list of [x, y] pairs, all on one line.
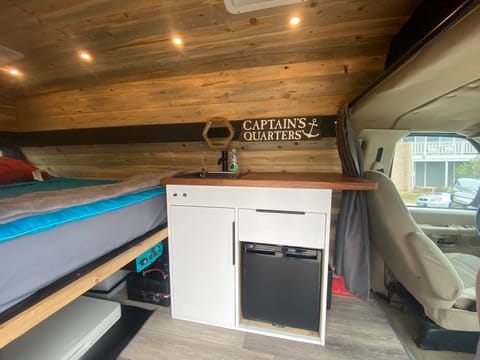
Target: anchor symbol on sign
{"points": [[310, 134]]}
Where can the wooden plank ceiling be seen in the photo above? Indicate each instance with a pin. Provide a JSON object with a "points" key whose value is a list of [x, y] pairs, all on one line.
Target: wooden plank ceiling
{"points": [[131, 40]]}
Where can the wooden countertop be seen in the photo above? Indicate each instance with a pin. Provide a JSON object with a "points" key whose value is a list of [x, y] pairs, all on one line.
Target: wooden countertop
{"points": [[332, 181]]}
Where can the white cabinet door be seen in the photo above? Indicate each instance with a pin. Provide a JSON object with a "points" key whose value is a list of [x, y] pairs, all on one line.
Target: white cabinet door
{"points": [[202, 264]]}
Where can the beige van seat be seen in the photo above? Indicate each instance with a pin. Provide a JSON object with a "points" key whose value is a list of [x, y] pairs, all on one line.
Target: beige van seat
{"points": [[466, 267], [443, 284]]}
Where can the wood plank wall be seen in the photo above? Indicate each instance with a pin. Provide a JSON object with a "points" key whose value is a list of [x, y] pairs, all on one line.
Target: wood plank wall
{"points": [[263, 70], [308, 88], [8, 119], [123, 160]]}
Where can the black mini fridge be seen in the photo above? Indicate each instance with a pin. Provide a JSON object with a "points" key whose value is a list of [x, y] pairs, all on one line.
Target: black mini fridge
{"points": [[281, 285]]}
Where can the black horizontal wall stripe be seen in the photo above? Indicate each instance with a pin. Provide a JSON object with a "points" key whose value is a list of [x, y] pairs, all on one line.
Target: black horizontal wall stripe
{"points": [[189, 132]]}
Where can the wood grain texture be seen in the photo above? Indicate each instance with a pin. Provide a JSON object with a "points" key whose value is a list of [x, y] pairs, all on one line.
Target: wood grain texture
{"points": [[120, 161], [8, 118], [130, 40], [294, 180], [18, 325], [243, 66], [186, 100], [356, 330]]}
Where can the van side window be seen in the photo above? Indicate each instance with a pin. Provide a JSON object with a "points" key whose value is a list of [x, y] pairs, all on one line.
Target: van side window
{"points": [[437, 172]]}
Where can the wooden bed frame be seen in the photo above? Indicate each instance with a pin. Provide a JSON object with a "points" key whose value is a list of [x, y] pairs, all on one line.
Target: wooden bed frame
{"points": [[27, 319]]}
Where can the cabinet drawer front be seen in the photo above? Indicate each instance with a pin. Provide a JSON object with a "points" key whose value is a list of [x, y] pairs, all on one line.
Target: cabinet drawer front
{"points": [[282, 227]]}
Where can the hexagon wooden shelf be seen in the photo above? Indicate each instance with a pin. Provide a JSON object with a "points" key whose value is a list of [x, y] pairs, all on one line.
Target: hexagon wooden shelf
{"points": [[218, 133]]}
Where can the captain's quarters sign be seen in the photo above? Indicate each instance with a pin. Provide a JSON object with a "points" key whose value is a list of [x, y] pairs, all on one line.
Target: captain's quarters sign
{"points": [[281, 129]]}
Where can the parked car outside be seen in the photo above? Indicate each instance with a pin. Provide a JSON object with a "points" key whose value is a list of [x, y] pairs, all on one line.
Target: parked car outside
{"points": [[435, 200], [464, 192]]}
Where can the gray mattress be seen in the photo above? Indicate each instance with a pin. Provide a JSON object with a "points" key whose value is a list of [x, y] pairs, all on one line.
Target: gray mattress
{"points": [[31, 262]]}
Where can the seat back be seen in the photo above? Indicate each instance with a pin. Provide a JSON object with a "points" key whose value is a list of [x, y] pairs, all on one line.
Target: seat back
{"points": [[413, 258]]}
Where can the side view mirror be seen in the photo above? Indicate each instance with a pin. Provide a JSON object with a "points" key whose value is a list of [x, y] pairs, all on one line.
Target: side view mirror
{"points": [[465, 193]]}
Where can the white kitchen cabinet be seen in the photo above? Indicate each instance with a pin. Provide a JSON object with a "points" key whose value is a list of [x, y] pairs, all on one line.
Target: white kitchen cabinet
{"points": [[211, 219], [202, 264], [207, 225]]}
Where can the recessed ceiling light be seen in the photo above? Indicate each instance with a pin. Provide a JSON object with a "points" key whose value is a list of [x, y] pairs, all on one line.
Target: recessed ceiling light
{"points": [[177, 40], [473, 85], [451, 96], [294, 20], [11, 71], [85, 56]]}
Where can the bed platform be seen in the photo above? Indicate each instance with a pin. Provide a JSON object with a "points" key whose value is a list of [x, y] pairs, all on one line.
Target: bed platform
{"points": [[48, 266], [27, 319]]}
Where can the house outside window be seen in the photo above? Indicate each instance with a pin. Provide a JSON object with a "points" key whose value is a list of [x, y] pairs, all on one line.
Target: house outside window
{"points": [[429, 167]]}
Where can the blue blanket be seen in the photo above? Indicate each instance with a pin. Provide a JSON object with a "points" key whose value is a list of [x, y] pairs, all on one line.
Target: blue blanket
{"points": [[50, 219]]}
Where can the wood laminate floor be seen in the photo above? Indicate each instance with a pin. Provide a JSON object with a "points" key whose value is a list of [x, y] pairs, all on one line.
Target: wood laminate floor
{"points": [[356, 330]]}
